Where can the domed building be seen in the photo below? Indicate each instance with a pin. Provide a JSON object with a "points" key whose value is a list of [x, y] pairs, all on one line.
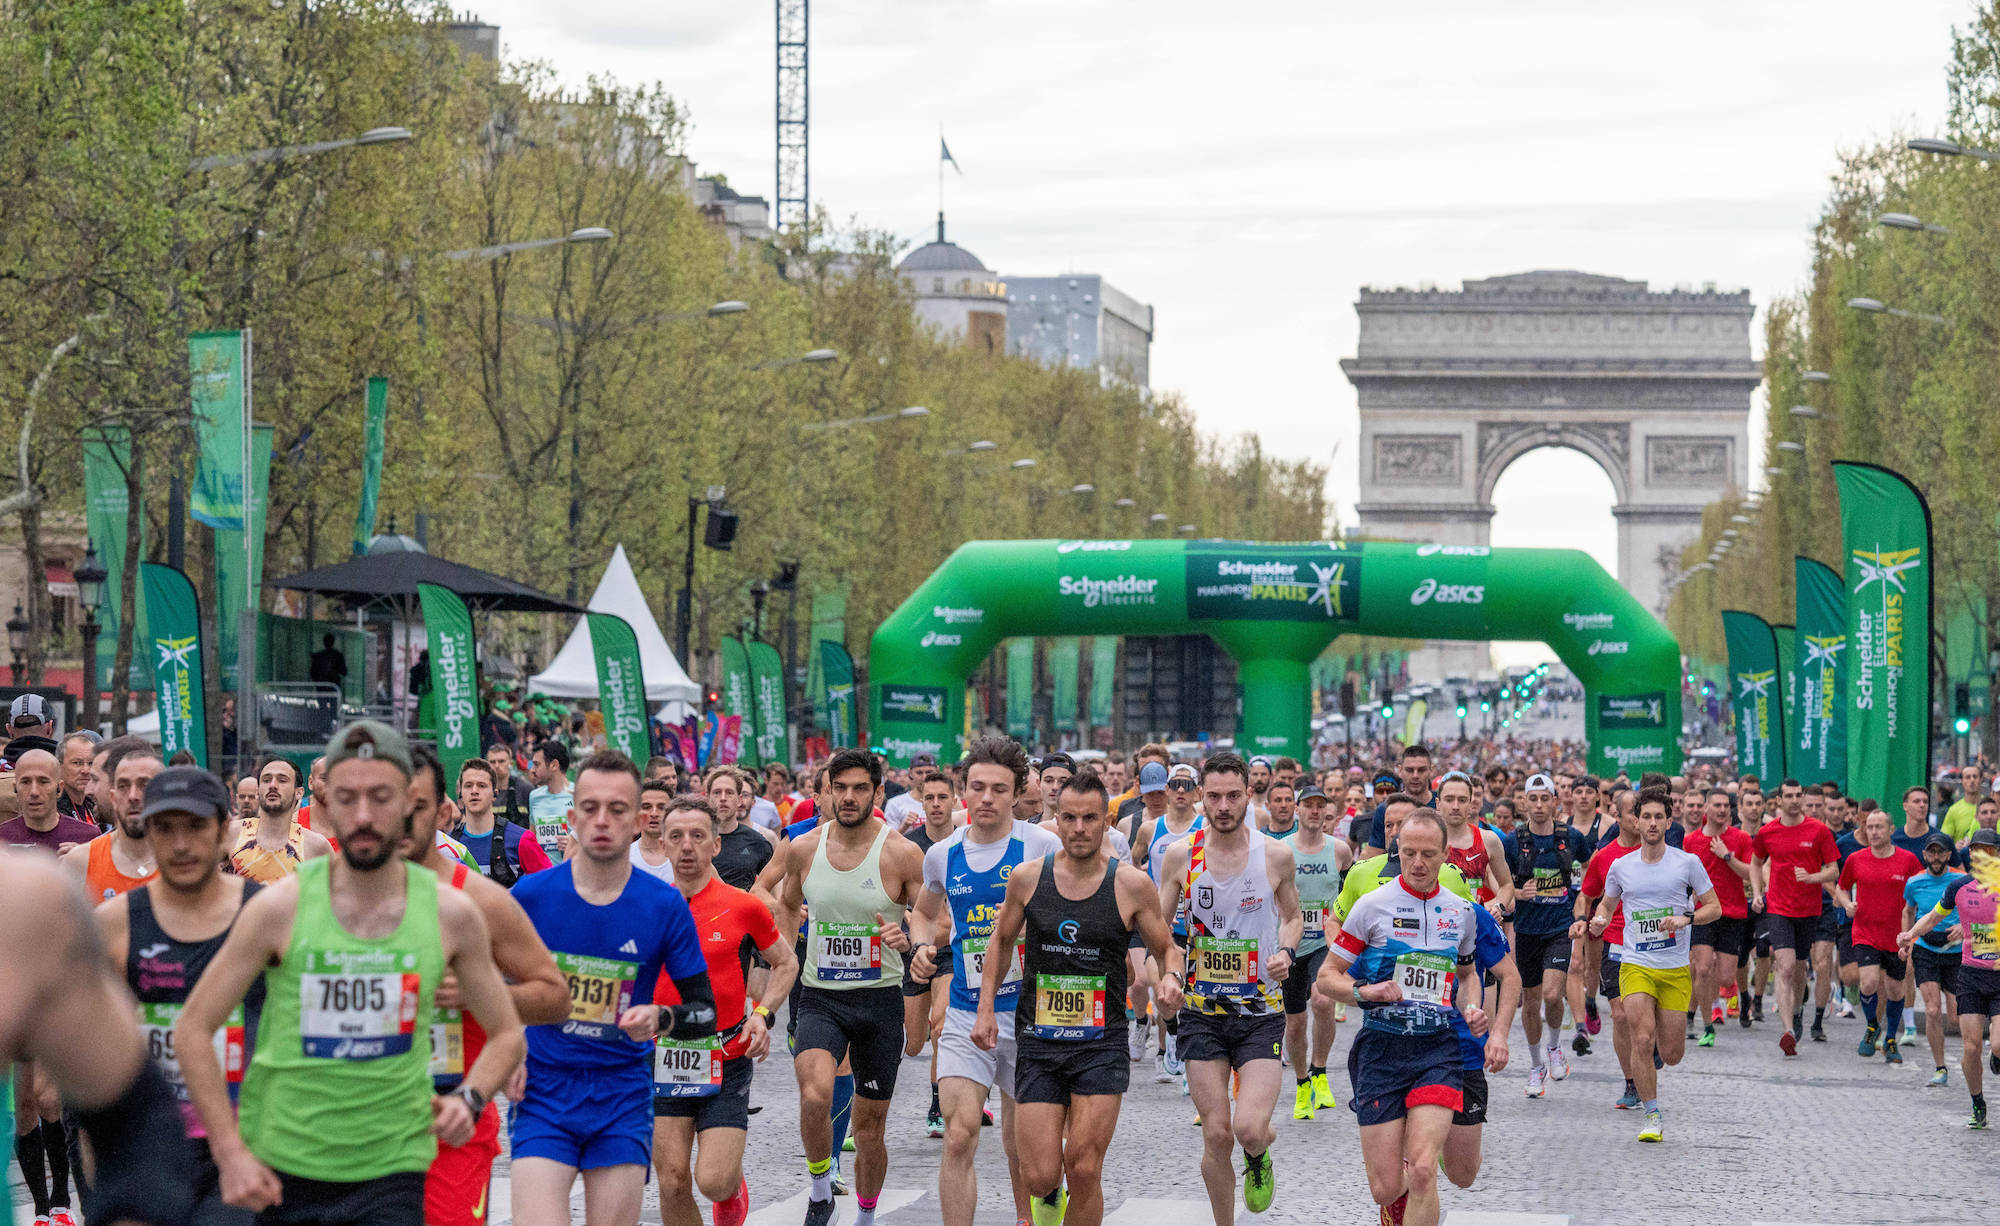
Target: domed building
{"points": [[957, 294]]}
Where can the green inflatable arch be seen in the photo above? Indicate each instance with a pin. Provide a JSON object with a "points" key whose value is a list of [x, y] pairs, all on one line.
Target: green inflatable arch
{"points": [[1274, 608]]}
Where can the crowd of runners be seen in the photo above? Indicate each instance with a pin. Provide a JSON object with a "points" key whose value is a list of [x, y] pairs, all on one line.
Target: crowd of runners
{"points": [[307, 995]]}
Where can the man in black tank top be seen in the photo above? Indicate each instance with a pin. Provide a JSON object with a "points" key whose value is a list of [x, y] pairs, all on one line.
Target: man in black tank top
{"points": [[1071, 1071], [163, 935], [745, 849]]}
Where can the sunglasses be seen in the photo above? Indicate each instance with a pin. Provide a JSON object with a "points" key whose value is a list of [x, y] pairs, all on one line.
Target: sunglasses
{"points": [[1180, 785]]}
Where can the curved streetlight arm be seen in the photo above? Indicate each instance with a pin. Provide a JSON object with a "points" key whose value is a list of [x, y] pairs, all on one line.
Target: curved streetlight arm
{"points": [[279, 153], [589, 234], [1951, 149]]}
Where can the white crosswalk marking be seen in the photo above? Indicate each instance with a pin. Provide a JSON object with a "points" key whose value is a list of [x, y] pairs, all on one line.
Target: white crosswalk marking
{"points": [[792, 1211], [1481, 1217]]}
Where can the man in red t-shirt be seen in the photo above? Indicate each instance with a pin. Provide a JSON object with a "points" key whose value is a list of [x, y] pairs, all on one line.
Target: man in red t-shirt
{"points": [[1587, 896], [701, 1088], [1796, 855], [1871, 891], [1726, 853]]}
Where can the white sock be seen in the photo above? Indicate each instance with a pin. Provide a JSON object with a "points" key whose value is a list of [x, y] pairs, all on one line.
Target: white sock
{"points": [[1535, 1056], [864, 1217], [823, 1185]]}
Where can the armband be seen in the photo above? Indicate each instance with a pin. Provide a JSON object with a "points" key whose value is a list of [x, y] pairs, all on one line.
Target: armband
{"points": [[145, 1170], [688, 1021]]}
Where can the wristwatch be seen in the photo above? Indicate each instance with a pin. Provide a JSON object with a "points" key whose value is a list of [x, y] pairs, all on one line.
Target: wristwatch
{"points": [[1290, 951], [473, 1099]]}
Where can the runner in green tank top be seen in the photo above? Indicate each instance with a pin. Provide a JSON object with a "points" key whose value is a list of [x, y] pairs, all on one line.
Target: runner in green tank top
{"points": [[854, 875], [337, 1118], [59, 986], [1320, 864]]}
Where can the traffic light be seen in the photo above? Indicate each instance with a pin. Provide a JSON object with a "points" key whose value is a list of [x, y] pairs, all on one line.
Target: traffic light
{"points": [[1388, 711], [1961, 725], [1485, 706], [1461, 710]]}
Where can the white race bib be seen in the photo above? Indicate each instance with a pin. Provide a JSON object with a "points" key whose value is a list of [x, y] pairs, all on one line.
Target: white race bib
{"points": [[1426, 978], [687, 1068], [357, 1017], [975, 961]]}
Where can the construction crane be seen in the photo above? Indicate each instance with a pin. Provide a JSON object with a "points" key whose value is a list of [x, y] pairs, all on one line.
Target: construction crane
{"points": [[794, 163]]}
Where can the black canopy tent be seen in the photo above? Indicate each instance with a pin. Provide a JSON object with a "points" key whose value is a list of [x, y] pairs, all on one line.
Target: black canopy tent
{"points": [[389, 580]]}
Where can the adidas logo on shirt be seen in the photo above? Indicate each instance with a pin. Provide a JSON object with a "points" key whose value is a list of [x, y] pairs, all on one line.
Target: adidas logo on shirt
{"points": [[629, 947]]}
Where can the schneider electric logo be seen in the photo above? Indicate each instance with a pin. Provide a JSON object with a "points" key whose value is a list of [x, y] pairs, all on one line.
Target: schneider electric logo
{"points": [[1589, 621], [957, 617], [1628, 756], [1453, 551], [1448, 593], [1092, 546], [908, 747], [1599, 647], [1127, 589], [1273, 742], [933, 639]]}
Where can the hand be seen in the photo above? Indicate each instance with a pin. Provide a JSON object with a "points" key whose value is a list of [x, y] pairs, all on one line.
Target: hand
{"points": [[1904, 940], [1673, 924], [1279, 966], [1800, 874], [1496, 1053], [565, 844], [451, 1119], [1597, 925], [1757, 903], [641, 1023], [1494, 908], [1578, 929], [1477, 1022], [1170, 994], [986, 1031], [923, 961], [757, 1032], [1387, 992], [446, 996], [63, 849], [893, 936], [248, 1183], [517, 1083], [1851, 906]]}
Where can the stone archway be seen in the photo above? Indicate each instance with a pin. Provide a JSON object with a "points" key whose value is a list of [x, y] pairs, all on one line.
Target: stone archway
{"points": [[1455, 385]]}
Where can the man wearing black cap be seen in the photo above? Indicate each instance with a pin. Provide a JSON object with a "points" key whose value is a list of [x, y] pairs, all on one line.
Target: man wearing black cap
{"points": [[30, 724]]}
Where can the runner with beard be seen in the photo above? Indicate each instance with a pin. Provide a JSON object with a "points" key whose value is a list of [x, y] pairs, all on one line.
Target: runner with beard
{"points": [[854, 875], [1244, 927], [1550, 867], [165, 933], [338, 1120], [455, 1187], [1074, 913], [277, 844]]}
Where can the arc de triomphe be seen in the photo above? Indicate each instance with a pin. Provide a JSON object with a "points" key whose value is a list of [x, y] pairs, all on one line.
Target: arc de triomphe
{"points": [[1454, 386]]}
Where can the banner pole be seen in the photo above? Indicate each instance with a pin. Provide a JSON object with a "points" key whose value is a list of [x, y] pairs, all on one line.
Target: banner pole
{"points": [[246, 633]]}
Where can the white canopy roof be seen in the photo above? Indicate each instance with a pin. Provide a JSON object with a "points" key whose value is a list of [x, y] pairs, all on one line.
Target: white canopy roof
{"points": [[573, 673]]}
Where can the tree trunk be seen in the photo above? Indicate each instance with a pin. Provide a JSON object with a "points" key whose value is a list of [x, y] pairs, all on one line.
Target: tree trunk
{"points": [[128, 595], [36, 588]]}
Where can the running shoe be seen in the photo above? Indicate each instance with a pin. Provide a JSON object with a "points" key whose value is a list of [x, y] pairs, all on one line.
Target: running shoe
{"points": [[1818, 1032], [1690, 1030], [1629, 1100], [1891, 1054], [847, 1145], [60, 1216], [1339, 1011], [1707, 1038], [1978, 1119], [739, 1206], [1048, 1210], [1866, 1047], [1259, 1182], [985, 1118], [1788, 1043], [1655, 1129], [1322, 1091], [1757, 1009], [1746, 1017], [1174, 1064], [1162, 1075], [1735, 1003], [819, 1212], [1581, 1043], [1591, 1021], [1993, 1060], [840, 1187], [1558, 1064], [1392, 1213], [1538, 1079], [1302, 1101], [1846, 1007], [934, 1124], [1938, 1080], [1910, 1028], [1718, 1014], [1799, 1020], [1135, 1044], [1658, 1063]]}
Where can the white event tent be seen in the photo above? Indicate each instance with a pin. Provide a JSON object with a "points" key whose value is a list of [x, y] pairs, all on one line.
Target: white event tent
{"points": [[573, 673]]}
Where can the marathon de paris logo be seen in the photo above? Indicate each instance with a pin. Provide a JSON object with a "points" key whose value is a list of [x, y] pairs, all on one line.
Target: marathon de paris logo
{"points": [[1757, 684], [1886, 566], [176, 651], [1824, 649]]}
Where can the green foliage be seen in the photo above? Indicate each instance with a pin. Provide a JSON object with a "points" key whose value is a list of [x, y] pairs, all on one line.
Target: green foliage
{"points": [[579, 374]]}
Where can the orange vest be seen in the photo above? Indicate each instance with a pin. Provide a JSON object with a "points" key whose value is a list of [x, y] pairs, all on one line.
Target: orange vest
{"points": [[101, 875]]}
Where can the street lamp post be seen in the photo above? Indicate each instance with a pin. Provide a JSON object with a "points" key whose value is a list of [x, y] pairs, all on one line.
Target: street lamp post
{"points": [[758, 591], [90, 579], [17, 641]]}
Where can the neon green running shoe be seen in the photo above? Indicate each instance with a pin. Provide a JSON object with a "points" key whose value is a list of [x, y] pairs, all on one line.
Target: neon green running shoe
{"points": [[1302, 1102], [1259, 1182], [1047, 1211], [1655, 1129], [1322, 1092]]}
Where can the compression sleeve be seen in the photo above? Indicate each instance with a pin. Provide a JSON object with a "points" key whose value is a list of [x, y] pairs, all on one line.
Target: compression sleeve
{"points": [[694, 1017]]}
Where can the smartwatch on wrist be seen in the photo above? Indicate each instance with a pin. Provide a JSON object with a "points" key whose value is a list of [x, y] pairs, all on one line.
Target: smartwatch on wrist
{"points": [[472, 1098]]}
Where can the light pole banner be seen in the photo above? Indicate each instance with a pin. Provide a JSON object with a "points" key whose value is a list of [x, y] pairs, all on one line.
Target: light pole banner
{"points": [[374, 435], [621, 685], [1885, 534], [173, 626], [1755, 701], [448, 628], [1788, 685], [767, 695], [1819, 738], [219, 378], [737, 700], [837, 702]]}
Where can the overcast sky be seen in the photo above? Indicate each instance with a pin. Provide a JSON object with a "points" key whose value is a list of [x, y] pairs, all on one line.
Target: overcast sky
{"points": [[1247, 169]]}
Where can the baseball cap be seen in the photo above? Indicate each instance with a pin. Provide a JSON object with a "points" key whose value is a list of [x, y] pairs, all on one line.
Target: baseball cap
{"points": [[923, 759], [1260, 760], [1311, 792], [1587, 781], [368, 738], [1152, 778], [1354, 772], [186, 789], [1984, 838], [28, 710], [1539, 782], [1389, 779], [1181, 771], [1939, 838], [1058, 759]]}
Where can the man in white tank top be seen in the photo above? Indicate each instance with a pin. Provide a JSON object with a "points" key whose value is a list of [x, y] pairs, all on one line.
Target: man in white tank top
{"points": [[1244, 927]]}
